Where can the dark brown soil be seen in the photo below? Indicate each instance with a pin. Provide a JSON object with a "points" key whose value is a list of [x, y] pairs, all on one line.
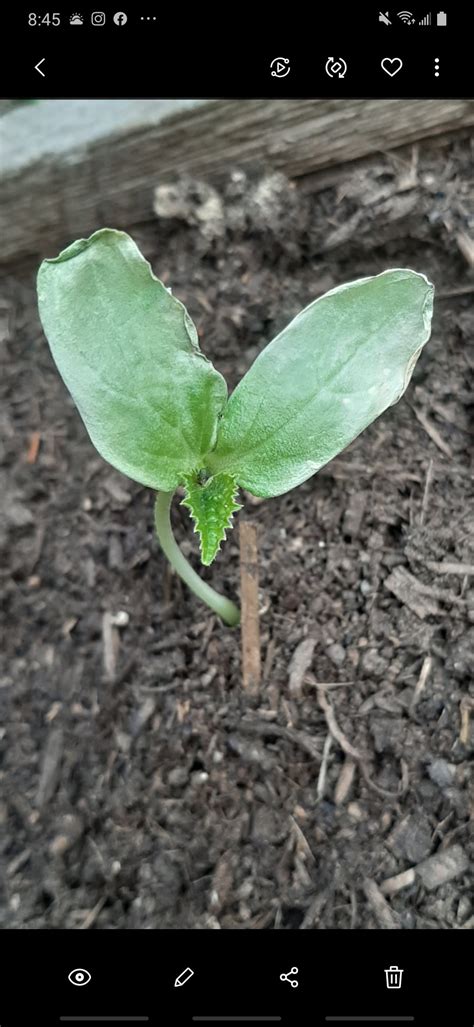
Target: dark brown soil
{"points": [[139, 787]]}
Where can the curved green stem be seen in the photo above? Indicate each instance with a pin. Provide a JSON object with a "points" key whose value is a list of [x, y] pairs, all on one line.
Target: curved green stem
{"points": [[226, 609]]}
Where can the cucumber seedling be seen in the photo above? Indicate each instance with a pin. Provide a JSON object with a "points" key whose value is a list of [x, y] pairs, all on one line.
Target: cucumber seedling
{"points": [[157, 410]]}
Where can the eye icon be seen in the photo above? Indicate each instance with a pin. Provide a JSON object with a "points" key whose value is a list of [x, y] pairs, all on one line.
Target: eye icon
{"points": [[79, 977]]}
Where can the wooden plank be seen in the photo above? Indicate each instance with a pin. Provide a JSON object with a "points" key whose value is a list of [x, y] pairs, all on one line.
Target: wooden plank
{"points": [[251, 660], [55, 199]]}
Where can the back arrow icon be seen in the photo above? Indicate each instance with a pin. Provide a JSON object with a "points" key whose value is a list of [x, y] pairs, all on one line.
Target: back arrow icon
{"points": [[38, 69]]}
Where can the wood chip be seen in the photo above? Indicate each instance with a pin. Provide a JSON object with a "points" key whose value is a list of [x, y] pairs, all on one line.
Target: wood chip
{"points": [[51, 767], [116, 490], [465, 707], [250, 625], [354, 513], [421, 683], [443, 867], [411, 593], [445, 567], [313, 913], [33, 448], [222, 881], [142, 716], [111, 645], [395, 884], [344, 783], [299, 664], [379, 905], [466, 246]]}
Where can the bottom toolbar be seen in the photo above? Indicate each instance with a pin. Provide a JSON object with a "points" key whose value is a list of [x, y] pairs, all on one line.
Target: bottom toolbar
{"points": [[185, 977]]}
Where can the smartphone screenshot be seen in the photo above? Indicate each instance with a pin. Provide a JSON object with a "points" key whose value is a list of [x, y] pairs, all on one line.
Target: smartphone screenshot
{"points": [[236, 494]]}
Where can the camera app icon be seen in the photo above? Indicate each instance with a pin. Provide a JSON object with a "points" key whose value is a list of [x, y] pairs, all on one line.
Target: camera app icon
{"points": [[98, 18], [79, 977]]}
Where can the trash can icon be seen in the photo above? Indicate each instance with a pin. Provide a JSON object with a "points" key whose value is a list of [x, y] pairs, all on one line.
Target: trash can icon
{"points": [[394, 977]]}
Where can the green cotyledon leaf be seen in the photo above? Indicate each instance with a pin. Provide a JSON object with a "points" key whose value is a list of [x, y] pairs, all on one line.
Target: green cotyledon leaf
{"points": [[211, 505], [129, 355], [335, 368]]}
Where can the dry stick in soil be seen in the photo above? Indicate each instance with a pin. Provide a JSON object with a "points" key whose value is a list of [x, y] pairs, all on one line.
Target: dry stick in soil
{"points": [[158, 411], [250, 624], [355, 754]]}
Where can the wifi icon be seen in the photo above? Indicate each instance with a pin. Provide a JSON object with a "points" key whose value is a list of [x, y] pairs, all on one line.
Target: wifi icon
{"points": [[406, 17]]}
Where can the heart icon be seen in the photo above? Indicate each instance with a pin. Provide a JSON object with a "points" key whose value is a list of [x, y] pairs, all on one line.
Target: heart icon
{"points": [[392, 65]]}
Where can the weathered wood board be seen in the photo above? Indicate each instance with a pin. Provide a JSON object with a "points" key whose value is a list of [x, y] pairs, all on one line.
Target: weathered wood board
{"points": [[51, 199]]}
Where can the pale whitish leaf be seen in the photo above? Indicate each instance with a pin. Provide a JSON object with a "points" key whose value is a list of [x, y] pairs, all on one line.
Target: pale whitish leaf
{"points": [[335, 368], [129, 355]]}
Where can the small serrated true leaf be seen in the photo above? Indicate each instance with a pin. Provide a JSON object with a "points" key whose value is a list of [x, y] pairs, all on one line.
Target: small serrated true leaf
{"points": [[211, 506], [129, 355], [335, 368]]}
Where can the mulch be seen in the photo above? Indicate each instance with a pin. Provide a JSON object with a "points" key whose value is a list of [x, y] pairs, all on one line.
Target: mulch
{"points": [[140, 786]]}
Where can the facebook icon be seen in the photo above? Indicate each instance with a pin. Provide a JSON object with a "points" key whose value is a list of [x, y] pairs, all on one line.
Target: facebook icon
{"points": [[120, 18]]}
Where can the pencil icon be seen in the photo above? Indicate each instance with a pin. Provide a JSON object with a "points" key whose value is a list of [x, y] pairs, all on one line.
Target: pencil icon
{"points": [[183, 977]]}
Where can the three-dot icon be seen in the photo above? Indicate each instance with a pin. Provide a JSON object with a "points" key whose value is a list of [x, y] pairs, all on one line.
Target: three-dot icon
{"points": [[436, 67]]}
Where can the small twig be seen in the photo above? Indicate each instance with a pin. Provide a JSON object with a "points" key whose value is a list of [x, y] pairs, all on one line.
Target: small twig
{"points": [[91, 917], [300, 738], [466, 705], [450, 568], [323, 768], [356, 755], [336, 730], [33, 448], [432, 432], [251, 659], [424, 505], [462, 290], [309, 679], [421, 683]]}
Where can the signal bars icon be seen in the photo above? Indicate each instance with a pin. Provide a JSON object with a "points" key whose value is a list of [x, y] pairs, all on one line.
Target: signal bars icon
{"points": [[426, 20]]}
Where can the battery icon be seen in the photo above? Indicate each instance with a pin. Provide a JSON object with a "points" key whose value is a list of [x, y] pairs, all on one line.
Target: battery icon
{"points": [[441, 18]]}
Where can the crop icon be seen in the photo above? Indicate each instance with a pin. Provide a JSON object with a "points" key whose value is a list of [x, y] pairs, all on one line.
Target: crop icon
{"points": [[158, 410]]}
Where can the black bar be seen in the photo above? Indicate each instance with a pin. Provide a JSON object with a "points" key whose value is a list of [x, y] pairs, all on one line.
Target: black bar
{"points": [[113, 73]]}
